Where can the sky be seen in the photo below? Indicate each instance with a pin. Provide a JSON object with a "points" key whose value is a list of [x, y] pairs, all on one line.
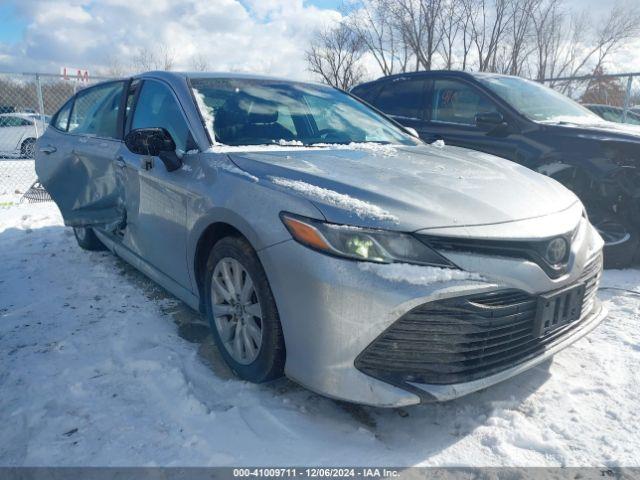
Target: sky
{"points": [[263, 36], [260, 36]]}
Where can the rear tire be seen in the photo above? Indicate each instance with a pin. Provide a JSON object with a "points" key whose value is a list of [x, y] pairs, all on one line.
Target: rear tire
{"points": [[28, 148], [87, 239], [241, 307]]}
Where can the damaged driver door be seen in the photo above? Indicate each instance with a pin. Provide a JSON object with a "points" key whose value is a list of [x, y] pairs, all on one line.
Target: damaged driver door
{"points": [[76, 158]]}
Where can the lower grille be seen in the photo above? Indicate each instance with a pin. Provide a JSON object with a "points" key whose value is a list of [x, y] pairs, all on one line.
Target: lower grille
{"points": [[466, 338]]}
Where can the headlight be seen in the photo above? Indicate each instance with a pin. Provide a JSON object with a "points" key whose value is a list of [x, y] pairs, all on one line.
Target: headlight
{"points": [[379, 246]]}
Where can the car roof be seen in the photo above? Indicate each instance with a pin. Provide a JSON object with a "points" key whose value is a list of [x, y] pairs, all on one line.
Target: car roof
{"points": [[27, 116], [437, 74], [173, 76]]}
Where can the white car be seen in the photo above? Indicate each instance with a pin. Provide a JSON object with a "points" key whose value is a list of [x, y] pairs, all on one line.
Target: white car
{"points": [[19, 132]]}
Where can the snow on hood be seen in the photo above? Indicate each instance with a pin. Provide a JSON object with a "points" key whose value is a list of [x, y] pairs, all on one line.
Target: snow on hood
{"points": [[292, 145], [340, 200], [408, 188]]}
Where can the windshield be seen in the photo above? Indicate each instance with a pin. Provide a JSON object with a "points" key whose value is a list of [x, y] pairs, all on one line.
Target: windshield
{"points": [[537, 102], [266, 112], [614, 114]]}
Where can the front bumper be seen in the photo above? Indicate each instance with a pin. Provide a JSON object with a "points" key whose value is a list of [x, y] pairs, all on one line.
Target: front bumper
{"points": [[441, 393], [332, 310]]}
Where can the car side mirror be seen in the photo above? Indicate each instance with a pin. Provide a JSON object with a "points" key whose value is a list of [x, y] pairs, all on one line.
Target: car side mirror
{"points": [[490, 121], [155, 142]]}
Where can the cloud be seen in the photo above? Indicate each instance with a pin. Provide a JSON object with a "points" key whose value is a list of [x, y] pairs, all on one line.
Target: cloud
{"points": [[261, 36]]}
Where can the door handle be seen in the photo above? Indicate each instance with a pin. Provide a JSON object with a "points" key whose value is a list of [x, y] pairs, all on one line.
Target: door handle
{"points": [[48, 149], [120, 162]]}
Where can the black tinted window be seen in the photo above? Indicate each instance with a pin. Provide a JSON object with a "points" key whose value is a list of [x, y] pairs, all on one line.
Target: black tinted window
{"points": [[402, 98], [367, 92], [457, 102], [157, 107], [62, 117], [14, 122], [95, 111]]}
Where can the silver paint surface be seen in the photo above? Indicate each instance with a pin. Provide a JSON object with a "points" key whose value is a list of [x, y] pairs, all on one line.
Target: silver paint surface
{"points": [[330, 308]]}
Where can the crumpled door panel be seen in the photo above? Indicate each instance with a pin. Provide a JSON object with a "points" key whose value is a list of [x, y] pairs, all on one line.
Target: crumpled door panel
{"points": [[83, 178]]}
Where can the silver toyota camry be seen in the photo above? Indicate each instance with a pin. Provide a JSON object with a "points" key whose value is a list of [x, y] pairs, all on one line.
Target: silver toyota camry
{"points": [[321, 239]]}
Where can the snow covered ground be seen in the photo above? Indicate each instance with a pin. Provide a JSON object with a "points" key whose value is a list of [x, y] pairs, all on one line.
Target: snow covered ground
{"points": [[16, 175], [98, 366]]}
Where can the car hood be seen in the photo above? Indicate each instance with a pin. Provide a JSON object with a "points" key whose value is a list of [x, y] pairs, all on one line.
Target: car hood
{"points": [[603, 130], [408, 188]]}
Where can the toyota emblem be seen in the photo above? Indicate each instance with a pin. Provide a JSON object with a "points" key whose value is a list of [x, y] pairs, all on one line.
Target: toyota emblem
{"points": [[556, 251]]}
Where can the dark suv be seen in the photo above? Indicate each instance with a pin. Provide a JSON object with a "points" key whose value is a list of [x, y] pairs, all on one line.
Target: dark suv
{"points": [[533, 125]]}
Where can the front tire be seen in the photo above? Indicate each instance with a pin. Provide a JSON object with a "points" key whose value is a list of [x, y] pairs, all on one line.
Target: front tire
{"points": [[242, 311], [87, 239]]}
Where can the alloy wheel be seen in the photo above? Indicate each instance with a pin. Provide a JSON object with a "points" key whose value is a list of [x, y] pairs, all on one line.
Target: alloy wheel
{"points": [[236, 310]]}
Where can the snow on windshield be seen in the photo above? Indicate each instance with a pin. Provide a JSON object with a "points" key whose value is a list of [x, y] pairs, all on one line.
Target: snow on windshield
{"points": [[207, 114]]}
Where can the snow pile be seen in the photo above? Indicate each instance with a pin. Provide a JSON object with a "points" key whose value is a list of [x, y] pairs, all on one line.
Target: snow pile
{"points": [[438, 143], [361, 208], [16, 175], [290, 143], [416, 274], [207, 114], [96, 370]]}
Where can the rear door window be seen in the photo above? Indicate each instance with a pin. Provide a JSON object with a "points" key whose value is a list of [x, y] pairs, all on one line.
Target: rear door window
{"points": [[402, 98], [458, 103], [95, 111]]}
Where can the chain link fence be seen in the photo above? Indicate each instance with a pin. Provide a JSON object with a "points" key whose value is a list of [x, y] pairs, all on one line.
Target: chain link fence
{"points": [[613, 97], [27, 102]]}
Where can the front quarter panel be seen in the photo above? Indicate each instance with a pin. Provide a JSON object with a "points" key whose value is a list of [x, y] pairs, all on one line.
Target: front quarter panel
{"points": [[223, 193]]}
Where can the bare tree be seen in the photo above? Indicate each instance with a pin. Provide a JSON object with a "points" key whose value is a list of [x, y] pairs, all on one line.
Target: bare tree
{"points": [[115, 67], [469, 13], [521, 32], [371, 21], [452, 20], [335, 55], [162, 58], [199, 63], [418, 20], [538, 38], [489, 22], [622, 24], [547, 21]]}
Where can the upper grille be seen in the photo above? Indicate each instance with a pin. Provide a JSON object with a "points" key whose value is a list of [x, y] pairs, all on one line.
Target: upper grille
{"points": [[465, 338], [529, 250]]}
